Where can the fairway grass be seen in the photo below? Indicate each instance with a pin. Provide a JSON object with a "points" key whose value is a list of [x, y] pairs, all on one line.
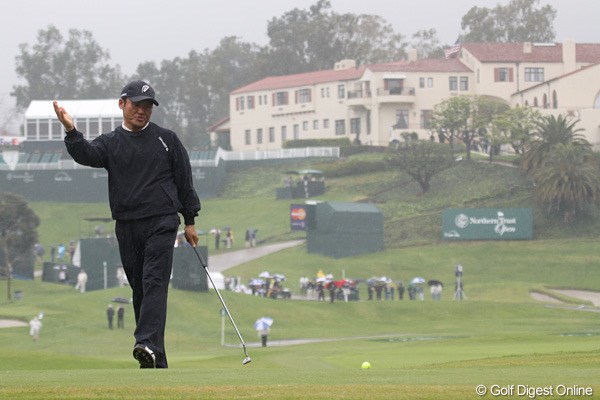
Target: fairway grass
{"points": [[418, 350]]}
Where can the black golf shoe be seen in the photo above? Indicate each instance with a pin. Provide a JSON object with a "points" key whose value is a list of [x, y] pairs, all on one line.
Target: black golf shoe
{"points": [[145, 356]]}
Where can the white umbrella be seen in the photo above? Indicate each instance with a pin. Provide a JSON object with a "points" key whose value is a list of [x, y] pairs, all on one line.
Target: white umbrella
{"points": [[264, 274], [418, 279], [263, 323], [279, 277]]}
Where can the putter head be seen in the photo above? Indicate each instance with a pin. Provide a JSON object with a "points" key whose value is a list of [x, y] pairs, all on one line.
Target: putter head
{"points": [[246, 360]]}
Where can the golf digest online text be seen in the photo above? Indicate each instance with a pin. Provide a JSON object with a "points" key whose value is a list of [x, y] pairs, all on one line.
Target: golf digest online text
{"points": [[534, 392]]}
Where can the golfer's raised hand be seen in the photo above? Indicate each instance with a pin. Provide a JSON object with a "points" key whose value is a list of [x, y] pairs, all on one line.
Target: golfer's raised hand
{"points": [[191, 235], [64, 118]]}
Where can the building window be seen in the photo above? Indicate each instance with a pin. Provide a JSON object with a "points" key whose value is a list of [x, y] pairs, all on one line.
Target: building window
{"points": [[32, 129], [503, 74], [534, 74], [271, 135], [422, 83], [545, 101], [283, 134], [340, 127], [453, 82], [355, 125], [554, 99], [57, 129], [464, 83], [259, 135], [93, 129], [315, 124], [425, 119], [429, 82], [535, 102], [240, 104], [303, 96], [401, 119], [393, 86], [247, 139], [280, 98], [260, 100], [250, 102], [304, 125], [326, 123], [341, 92], [106, 125], [296, 132]]}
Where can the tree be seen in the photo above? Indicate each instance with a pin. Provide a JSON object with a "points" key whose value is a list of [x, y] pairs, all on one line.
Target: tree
{"points": [[567, 181], [73, 69], [513, 127], [549, 132], [449, 118], [194, 90], [427, 44], [18, 233], [422, 160], [466, 118], [518, 21], [315, 39]]}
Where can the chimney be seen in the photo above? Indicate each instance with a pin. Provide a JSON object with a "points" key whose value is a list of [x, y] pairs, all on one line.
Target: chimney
{"points": [[569, 56], [412, 55], [527, 48], [344, 64]]}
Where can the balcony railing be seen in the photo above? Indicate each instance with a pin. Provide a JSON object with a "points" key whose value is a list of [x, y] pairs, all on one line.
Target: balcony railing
{"points": [[403, 91]]}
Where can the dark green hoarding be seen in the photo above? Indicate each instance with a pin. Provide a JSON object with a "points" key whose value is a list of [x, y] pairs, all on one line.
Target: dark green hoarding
{"points": [[487, 223]]}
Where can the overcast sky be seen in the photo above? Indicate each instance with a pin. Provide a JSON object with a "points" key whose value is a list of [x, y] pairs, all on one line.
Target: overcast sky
{"points": [[134, 31]]}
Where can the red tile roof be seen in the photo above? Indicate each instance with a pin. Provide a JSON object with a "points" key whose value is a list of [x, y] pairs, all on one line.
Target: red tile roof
{"points": [[313, 78], [426, 65], [304, 79], [546, 53]]}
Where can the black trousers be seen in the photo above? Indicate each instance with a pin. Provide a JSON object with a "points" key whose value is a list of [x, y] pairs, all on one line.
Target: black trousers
{"points": [[146, 248]]}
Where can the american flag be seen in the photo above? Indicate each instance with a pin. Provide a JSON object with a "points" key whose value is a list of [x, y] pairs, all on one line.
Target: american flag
{"points": [[453, 50]]}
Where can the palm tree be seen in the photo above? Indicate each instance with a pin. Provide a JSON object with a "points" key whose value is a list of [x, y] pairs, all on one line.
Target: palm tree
{"points": [[549, 132], [568, 181]]}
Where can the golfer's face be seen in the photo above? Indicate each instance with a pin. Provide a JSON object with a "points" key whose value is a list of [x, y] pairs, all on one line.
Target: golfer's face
{"points": [[136, 115]]}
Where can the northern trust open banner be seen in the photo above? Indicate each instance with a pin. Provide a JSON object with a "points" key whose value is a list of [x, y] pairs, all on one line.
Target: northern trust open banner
{"points": [[487, 223]]}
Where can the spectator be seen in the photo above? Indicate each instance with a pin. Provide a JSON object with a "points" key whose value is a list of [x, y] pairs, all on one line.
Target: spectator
{"points": [[121, 317], [110, 314], [82, 279], [35, 326]]}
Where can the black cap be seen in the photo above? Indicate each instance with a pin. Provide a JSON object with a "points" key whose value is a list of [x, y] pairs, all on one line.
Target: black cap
{"points": [[138, 91]]}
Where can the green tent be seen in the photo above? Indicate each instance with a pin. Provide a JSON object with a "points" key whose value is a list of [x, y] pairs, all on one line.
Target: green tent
{"points": [[344, 229]]}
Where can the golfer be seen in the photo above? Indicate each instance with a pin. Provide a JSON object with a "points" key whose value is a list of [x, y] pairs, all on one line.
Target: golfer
{"points": [[149, 183]]}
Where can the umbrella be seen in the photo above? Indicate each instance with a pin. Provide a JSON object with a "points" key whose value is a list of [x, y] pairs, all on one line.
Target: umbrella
{"points": [[418, 279], [264, 274], [120, 300], [321, 279], [263, 323], [256, 282], [434, 282], [279, 277]]}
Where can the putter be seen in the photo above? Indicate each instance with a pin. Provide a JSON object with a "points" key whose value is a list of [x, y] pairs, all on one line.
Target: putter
{"points": [[203, 263]]}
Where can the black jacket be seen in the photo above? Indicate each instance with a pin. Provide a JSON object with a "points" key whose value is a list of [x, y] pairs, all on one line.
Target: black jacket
{"points": [[149, 171]]}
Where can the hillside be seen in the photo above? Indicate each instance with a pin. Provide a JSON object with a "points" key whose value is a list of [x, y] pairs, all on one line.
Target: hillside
{"points": [[411, 218]]}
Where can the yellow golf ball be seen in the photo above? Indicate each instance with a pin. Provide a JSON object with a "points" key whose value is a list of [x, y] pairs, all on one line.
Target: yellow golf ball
{"points": [[365, 365]]}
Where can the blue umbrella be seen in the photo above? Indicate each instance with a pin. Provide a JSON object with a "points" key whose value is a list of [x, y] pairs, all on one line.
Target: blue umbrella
{"points": [[263, 323]]}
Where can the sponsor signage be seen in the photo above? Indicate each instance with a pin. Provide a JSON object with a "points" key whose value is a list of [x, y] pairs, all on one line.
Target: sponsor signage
{"points": [[298, 214], [487, 223]]}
